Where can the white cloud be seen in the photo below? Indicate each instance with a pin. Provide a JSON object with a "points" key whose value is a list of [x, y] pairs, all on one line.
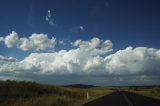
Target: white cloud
{"points": [[140, 60], [87, 59], [134, 61], [106, 45], [94, 43], [37, 42], [95, 64], [11, 39], [62, 62], [49, 18], [34, 42], [88, 45], [74, 61]]}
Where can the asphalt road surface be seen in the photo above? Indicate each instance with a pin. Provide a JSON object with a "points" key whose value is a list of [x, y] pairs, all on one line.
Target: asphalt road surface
{"points": [[123, 98]]}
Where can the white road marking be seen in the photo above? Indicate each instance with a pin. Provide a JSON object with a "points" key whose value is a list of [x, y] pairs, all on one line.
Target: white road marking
{"points": [[127, 100]]}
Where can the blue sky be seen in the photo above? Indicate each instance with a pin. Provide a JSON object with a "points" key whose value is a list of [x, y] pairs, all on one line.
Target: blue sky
{"points": [[125, 23]]}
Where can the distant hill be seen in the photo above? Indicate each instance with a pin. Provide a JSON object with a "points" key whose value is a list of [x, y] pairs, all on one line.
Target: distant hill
{"points": [[80, 86]]}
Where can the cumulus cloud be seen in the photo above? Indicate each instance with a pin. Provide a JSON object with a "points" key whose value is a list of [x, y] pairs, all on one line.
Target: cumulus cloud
{"points": [[74, 61], [49, 18], [88, 59], [34, 42], [94, 43], [11, 39], [140, 60], [106, 45], [95, 63], [134, 61]]}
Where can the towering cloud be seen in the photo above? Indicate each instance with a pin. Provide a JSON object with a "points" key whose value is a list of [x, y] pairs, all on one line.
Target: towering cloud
{"points": [[34, 42]]}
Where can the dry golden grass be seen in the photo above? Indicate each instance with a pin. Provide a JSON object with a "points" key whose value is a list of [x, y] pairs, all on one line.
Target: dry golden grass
{"points": [[68, 97], [149, 92]]}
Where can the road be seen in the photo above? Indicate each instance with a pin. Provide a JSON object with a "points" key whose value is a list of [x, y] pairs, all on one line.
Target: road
{"points": [[123, 98]]}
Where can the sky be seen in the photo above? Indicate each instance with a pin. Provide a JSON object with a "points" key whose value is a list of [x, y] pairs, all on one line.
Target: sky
{"points": [[99, 42]]}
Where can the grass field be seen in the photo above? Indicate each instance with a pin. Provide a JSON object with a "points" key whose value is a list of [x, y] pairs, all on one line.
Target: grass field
{"points": [[153, 92], [24, 93]]}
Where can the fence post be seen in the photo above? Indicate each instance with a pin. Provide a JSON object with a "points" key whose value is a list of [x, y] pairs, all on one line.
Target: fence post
{"points": [[87, 96]]}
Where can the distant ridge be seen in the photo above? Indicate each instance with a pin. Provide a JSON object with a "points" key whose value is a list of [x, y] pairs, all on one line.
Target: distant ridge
{"points": [[80, 86]]}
